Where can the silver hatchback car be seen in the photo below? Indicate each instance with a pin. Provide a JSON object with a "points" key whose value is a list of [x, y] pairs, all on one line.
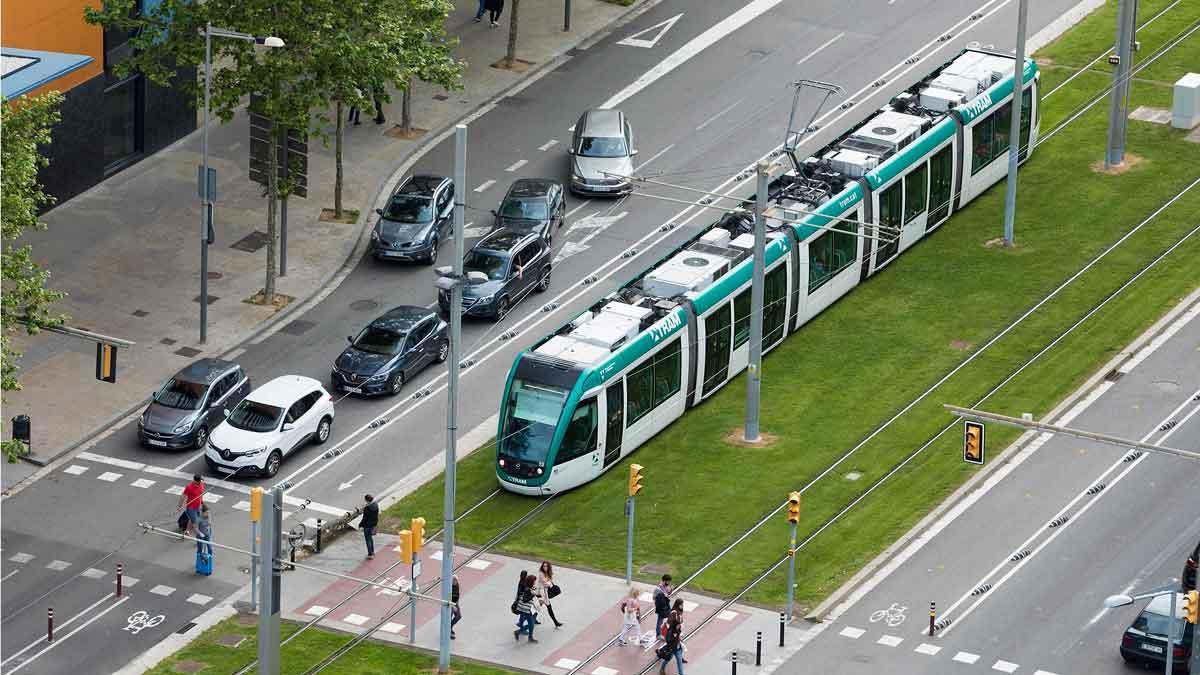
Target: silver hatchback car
{"points": [[602, 153]]}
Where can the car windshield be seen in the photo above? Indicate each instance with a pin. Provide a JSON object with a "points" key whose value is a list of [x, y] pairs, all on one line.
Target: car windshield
{"points": [[252, 416], [489, 263], [602, 146], [529, 420], [529, 209], [180, 394], [409, 209], [379, 341]]}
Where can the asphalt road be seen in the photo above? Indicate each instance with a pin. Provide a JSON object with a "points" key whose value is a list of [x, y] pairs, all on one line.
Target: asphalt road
{"points": [[719, 103], [1043, 613]]}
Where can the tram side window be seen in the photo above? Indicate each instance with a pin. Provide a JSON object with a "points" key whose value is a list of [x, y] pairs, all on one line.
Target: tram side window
{"points": [[580, 436], [941, 167], [915, 191], [831, 253], [774, 305], [653, 382], [991, 137], [1026, 120], [741, 319], [716, 348], [889, 217]]}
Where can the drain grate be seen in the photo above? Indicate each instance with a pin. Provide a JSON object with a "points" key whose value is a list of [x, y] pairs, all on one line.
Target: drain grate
{"points": [[185, 627], [298, 327], [1113, 375], [189, 352], [441, 97], [251, 242]]}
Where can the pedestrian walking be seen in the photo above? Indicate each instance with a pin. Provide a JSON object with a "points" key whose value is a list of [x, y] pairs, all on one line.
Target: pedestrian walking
{"points": [[495, 8], [662, 603], [548, 589], [525, 608], [204, 536], [377, 95], [677, 610], [190, 502], [455, 610], [355, 111], [370, 520], [631, 618], [520, 585], [482, 9], [672, 642]]}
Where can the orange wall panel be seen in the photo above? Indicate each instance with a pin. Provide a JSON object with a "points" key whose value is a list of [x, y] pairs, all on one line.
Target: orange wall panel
{"points": [[54, 26]]}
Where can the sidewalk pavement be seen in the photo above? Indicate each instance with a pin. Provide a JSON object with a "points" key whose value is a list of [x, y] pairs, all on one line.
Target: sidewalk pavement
{"points": [[588, 608], [127, 251]]}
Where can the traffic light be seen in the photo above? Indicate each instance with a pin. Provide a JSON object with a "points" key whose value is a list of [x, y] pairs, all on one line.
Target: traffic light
{"points": [[1191, 606], [418, 534], [973, 442], [794, 507], [106, 362], [635, 479], [406, 546], [256, 497]]}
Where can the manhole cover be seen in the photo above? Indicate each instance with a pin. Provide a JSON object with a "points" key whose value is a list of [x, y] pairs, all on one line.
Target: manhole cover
{"points": [[440, 97], [298, 327], [189, 352], [251, 242], [189, 666], [363, 305], [231, 640]]}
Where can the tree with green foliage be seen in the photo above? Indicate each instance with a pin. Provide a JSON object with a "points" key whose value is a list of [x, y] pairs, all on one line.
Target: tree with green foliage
{"points": [[25, 301]]}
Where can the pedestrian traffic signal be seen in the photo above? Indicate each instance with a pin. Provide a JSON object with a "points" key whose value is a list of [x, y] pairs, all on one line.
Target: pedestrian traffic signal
{"points": [[794, 507], [635, 479], [418, 534], [973, 442], [1191, 606], [106, 362], [406, 546], [256, 497]]}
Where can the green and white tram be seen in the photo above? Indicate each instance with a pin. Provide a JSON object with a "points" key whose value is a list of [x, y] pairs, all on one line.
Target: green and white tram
{"points": [[603, 384]]}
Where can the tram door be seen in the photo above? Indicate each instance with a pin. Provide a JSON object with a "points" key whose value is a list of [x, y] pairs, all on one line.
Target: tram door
{"points": [[616, 422]]}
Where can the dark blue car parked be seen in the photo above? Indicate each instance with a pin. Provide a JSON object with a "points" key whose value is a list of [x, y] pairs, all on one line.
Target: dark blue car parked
{"points": [[390, 351]]}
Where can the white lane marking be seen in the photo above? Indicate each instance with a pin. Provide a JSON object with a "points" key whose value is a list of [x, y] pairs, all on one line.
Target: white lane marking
{"points": [[356, 619], [1160, 340], [316, 610], [889, 641], [647, 242], [109, 476], [581, 205], [693, 47], [128, 581], [235, 353], [6, 576], [653, 157], [566, 664], [724, 110], [57, 565], [68, 622], [1004, 666], [21, 558], [814, 52], [213, 497], [928, 649], [479, 564], [163, 590], [547, 145], [142, 483], [662, 27], [485, 185], [75, 469], [1044, 672], [93, 573], [392, 627], [966, 657], [189, 460], [852, 632], [174, 490], [63, 638], [198, 599], [516, 165]]}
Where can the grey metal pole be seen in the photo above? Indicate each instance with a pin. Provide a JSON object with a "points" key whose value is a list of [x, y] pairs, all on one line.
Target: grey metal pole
{"points": [[412, 597], [283, 137], [629, 542], [791, 571], [253, 566], [1014, 132], [449, 496], [205, 206], [566, 15], [750, 434], [1118, 101], [1195, 660], [268, 602], [1171, 637]]}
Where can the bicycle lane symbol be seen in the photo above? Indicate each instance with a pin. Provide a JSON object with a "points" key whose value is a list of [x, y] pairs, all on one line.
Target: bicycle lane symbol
{"points": [[141, 620], [893, 616]]}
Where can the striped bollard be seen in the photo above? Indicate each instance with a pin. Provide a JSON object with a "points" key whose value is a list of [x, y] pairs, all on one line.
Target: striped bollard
{"points": [[758, 648], [932, 614], [733, 661], [120, 573], [50, 624], [782, 621]]}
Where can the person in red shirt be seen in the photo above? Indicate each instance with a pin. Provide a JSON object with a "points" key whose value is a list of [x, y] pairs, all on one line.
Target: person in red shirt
{"points": [[190, 501]]}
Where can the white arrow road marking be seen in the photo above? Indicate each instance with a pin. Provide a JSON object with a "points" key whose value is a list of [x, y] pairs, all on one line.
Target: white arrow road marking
{"points": [[662, 28], [594, 222], [349, 483]]}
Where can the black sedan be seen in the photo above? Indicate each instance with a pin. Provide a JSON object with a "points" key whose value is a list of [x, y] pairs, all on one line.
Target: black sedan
{"points": [[419, 216], [532, 205], [1145, 642], [390, 351]]}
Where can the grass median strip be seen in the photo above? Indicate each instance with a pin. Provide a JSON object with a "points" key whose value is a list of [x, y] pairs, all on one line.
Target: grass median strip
{"points": [[853, 367]]}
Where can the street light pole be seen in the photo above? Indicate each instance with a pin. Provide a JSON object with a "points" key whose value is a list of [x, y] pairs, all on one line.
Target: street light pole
{"points": [[1014, 132], [753, 384]]}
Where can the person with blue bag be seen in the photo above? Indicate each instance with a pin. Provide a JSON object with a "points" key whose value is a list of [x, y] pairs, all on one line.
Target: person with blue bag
{"points": [[204, 549]]}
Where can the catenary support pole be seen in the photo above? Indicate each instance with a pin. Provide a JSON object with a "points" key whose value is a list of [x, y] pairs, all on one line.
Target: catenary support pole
{"points": [[449, 496], [254, 566], [268, 602], [753, 370], [1119, 98], [1014, 132], [205, 188]]}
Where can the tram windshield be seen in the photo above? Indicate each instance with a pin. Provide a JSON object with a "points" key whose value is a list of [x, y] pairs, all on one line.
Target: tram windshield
{"points": [[529, 420]]}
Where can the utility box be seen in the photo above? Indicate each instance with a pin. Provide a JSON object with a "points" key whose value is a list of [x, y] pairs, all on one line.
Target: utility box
{"points": [[1185, 108]]}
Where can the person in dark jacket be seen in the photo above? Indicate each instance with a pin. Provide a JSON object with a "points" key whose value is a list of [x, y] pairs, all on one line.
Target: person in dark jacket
{"points": [[370, 520], [495, 7], [672, 642], [455, 610], [662, 603], [526, 608]]}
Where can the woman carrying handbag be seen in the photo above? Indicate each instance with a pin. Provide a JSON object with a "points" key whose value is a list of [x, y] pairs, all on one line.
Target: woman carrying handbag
{"points": [[548, 589]]}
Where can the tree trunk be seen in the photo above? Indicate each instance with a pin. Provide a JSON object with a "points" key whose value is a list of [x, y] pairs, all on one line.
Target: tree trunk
{"points": [[406, 109], [337, 155], [272, 208], [511, 56]]}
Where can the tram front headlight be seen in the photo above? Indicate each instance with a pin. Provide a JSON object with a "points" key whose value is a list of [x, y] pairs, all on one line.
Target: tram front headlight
{"points": [[539, 471], [502, 463]]}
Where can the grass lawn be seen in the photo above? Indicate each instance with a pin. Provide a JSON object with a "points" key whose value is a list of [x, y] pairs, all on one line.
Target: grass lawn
{"points": [[368, 658], [840, 377]]}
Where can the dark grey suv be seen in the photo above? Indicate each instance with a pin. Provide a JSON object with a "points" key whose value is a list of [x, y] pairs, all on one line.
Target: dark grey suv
{"points": [[532, 205], [390, 351], [191, 403], [419, 216], [515, 264]]}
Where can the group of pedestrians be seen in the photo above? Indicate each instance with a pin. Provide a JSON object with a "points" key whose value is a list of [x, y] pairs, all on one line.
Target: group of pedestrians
{"points": [[493, 8], [194, 521], [535, 591], [668, 627]]}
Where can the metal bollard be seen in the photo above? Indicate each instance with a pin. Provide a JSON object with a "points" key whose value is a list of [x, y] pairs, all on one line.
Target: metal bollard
{"points": [[932, 614], [320, 524], [758, 648], [50, 625], [733, 661], [782, 622], [120, 572]]}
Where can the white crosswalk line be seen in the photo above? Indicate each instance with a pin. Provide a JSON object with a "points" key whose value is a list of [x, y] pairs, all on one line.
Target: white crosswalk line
{"points": [[174, 490], [1004, 666], [109, 476], [356, 619], [242, 505], [392, 627], [75, 469], [211, 497], [127, 581], [547, 145], [163, 590], [142, 483], [517, 165], [58, 565], [852, 632], [928, 649], [199, 599], [485, 185], [565, 663], [316, 610], [1044, 672], [727, 615], [92, 573], [479, 564], [21, 558], [966, 657], [889, 641], [605, 671]]}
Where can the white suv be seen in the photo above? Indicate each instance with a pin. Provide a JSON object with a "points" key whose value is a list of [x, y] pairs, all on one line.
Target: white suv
{"points": [[270, 423]]}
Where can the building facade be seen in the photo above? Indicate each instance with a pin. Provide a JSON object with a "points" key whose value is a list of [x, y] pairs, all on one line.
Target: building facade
{"points": [[108, 123]]}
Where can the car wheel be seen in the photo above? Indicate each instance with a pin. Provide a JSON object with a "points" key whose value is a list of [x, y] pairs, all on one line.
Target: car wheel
{"points": [[273, 463], [433, 253], [397, 383], [201, 438], [323, 429], [502, 307], [443, 351], [543, 283]]}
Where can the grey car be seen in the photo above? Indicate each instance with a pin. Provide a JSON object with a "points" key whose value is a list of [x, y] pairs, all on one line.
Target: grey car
{"points": [[419, 216], [602, 151], [515, 264], [532, 205], [391, 350], [191, 403]]}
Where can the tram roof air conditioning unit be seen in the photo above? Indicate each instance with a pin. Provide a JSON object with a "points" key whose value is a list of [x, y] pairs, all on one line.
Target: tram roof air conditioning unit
{"points": [[570, 349], [689, 271], [607, 331], [852, 163], [942, 100], [635, 312], [893, 130]]}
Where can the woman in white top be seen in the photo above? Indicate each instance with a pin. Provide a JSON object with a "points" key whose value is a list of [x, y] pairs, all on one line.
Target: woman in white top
{"points": [[548, 589], [631, 618]]}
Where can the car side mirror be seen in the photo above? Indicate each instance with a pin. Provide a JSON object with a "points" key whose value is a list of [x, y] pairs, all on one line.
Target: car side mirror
{"points": [[633, 152], [226, 411], [350, 339], [570, 151], [379, 212], [475, 277], [287, 426]]}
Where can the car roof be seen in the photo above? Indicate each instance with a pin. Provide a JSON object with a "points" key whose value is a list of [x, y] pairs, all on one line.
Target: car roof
{"points": [[284, 390], [401, 319], [530, 187], [420, 184], [205, 371], [1161, 605], [503, 239], [602, 122]]}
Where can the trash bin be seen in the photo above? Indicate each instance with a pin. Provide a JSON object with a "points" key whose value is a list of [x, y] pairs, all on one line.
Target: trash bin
{"points": [[20, 428]]}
